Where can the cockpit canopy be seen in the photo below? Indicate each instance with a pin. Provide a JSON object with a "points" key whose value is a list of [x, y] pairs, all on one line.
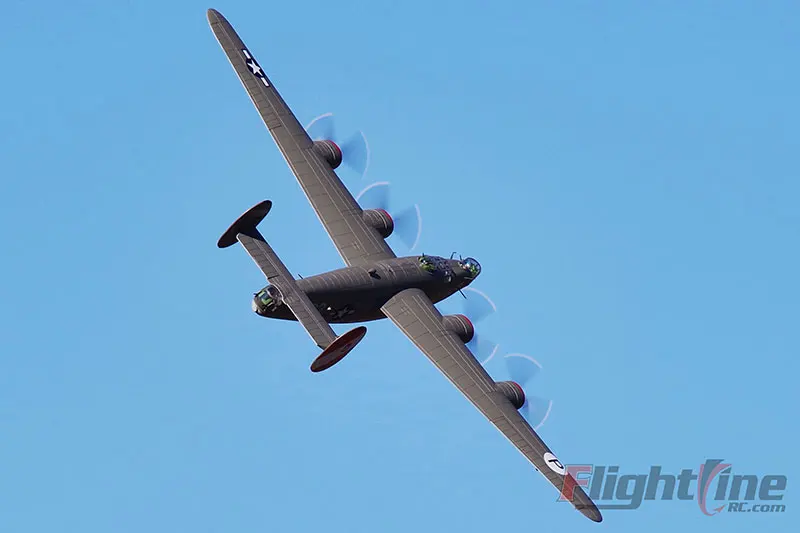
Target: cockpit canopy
{"points": [[438, 266], [471, 265], [434, 264]]}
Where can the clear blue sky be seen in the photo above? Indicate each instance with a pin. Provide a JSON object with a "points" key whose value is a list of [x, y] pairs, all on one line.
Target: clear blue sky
{"points": [[626, 172]]}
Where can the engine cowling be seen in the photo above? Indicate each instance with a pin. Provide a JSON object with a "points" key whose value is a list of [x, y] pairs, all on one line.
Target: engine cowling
{"points": [[460, 325], [329, 151], [380, 220], [513, 391]]}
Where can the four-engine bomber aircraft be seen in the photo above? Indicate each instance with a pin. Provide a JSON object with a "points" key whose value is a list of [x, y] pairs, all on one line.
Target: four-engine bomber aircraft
{"points": [[375, 284]]}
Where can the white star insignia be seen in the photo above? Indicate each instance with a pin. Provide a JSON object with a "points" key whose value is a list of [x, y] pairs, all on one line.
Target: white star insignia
{"points": [[254, 67]]}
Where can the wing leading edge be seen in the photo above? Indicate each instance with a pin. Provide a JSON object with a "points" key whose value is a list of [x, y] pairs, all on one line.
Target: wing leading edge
{"points": [[412, 311], [336, 208]]}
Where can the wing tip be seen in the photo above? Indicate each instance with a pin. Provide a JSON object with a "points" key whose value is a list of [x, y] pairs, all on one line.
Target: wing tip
{"points": [[213, 15], [591, 512]]}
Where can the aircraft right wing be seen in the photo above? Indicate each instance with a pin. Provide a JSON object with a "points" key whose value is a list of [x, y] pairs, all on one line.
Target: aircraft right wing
{"points": [[412, 311], [342, 217]]}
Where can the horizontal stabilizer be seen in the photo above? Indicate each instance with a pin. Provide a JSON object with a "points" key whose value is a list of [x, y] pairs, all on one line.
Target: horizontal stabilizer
{"points": [[245, 223]]}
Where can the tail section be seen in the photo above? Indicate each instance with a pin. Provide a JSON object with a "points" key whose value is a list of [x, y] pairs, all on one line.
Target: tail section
{"points": [[244, 231]]}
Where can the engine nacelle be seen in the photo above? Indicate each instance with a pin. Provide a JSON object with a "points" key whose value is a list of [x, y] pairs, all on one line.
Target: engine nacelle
{"points": [[329, 151], [512, 391], [380, 220], [460, 325]]}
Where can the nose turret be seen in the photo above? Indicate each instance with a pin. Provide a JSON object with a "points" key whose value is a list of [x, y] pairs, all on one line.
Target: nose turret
{"points": [[266, 300], [471, 267], [465, 270]]}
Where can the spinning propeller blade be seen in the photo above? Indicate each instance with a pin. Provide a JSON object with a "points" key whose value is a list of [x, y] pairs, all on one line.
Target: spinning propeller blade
{"points": [[482, 349], [355, 150], [407, 222], [477, 306], [522, 369], [408, 226]]}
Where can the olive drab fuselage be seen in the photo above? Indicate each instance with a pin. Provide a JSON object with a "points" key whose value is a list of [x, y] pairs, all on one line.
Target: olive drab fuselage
{"points": [[356, 294]]}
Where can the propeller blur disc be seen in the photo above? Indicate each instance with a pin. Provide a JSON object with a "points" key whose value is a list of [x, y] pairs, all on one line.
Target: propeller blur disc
{"points": [[407, 222], [536, 410], [355, 149], [482, 349], [375, 196], [522, 369], [408, 226], [477, 304], [322, 128]]}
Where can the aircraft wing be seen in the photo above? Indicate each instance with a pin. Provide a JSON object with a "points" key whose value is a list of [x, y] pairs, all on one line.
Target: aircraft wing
{"points": [[336, 208], [412, 311]]}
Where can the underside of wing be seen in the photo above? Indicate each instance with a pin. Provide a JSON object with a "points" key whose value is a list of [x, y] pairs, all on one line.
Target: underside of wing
{"points": [[416, 316], [357, 241]]}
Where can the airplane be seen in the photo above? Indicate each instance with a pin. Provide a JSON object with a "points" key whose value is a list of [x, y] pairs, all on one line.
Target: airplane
{"points": [[375, 283]]}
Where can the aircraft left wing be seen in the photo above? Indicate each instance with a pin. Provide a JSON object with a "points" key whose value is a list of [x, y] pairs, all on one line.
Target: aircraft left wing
{"points": [[412, 311], [336, 208]]}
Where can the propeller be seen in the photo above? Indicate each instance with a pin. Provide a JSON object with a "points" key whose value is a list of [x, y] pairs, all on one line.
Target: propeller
{"points": [[522, 369], [355, 150], [407, 222], [477, 306]]}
